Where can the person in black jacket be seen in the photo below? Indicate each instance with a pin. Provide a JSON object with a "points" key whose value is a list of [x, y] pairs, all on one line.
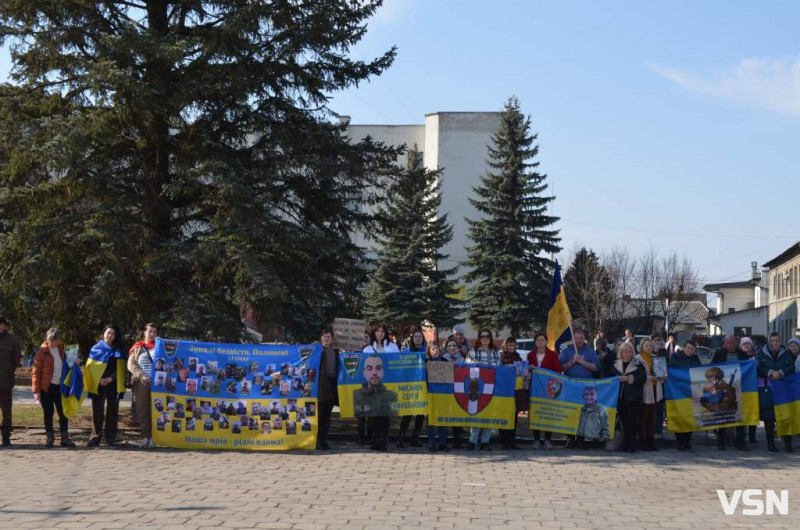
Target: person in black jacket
{"points": [[727, 354], [328, 388], [632, 376], [685, 357]]}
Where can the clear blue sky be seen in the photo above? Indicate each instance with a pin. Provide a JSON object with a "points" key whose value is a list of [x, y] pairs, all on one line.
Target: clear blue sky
{"points": [[674, 124]]}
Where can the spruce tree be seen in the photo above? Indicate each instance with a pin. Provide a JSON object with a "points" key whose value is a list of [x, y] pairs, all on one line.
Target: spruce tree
{"points": [[409, 284], [176, 161], [509, 268]]}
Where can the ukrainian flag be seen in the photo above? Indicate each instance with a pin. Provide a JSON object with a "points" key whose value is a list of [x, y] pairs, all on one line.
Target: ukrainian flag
{"points": [[695, 403], [99, 357], [786, 397], [476, 395], [558, 317], [71, 389]]}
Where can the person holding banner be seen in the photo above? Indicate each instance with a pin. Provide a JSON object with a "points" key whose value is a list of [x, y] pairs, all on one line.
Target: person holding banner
{"points": [[328, 395], [438, 433], [140, 365], [510, 357], [580, 360], [730, 353], [104, 380], [453, 354], [746, 344], [484, 353], [681, 358], [632, 373], [774, 362], [49, 367], [543, 357], [416, 344], [652, 396]]}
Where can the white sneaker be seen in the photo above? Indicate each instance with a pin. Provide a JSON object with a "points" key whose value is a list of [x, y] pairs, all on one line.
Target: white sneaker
{"points": [[145, 443], [151, 444]]}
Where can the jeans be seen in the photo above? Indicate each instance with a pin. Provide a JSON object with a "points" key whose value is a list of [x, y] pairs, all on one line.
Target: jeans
{"points": [[477, 434], [52, 400], [437, 432]]}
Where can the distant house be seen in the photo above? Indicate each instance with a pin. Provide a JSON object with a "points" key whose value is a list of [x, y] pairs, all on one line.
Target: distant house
{"points": [[741, 307], [688, 317], [784, 292]]}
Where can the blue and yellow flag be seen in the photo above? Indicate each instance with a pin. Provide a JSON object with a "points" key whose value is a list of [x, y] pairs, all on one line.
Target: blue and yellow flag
{"points": [[715, 396], [471, 395], [99, 357], [786, 398], [399, 389], [71, 389], [558, 317], [586, 407]]}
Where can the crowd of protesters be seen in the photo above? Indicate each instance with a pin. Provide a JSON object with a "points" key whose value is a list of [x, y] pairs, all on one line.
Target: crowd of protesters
{"points": [[640, 411]]}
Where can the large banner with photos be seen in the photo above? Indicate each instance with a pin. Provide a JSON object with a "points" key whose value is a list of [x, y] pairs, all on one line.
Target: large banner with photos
{"points": [[713, 396], [582, 407], [382, 384], [234, 396]]}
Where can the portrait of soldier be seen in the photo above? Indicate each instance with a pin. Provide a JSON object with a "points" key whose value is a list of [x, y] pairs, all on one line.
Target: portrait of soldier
{"points": [[593, 423], [718, 395], [373, 399]]}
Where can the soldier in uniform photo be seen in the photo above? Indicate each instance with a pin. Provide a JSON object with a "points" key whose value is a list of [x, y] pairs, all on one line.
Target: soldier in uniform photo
{"points": [[375, 401]]}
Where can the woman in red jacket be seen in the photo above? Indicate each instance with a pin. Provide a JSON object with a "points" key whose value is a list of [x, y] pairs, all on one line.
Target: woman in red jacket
{"points": [[46, 385], [541, 357]]}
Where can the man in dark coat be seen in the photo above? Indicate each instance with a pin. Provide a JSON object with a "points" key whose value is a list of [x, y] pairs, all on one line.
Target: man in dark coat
{"points": [[730, 352], [328, 388], [10, 357]]}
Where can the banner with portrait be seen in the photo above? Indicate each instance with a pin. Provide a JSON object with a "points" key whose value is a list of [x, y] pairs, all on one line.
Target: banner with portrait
{"points": [[581, 407], [234, 396], [382, 384], [471, 395], [714, 396], [786, 399]]}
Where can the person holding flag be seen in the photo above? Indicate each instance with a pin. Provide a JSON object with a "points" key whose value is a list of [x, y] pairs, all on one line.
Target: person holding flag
{"points": [[104, 380]]}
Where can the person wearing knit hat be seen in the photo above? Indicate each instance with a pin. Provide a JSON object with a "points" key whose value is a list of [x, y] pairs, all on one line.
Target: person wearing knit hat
{"points": [[794, 348]]}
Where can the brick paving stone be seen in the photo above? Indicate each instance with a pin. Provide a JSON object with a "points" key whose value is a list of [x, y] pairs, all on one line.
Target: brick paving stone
{"points": [[353, 488]]}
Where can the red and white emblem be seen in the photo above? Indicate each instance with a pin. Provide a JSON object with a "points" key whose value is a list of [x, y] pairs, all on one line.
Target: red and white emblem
{"points": [[473, 387]]}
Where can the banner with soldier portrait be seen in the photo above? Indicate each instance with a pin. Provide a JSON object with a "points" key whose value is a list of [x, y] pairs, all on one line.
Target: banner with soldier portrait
{"points": [[709, 397], [382, 384], [582, 407], [234, 396]]}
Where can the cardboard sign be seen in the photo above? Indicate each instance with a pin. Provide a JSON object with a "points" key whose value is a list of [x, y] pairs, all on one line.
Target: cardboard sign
{"points": [[348, 334]]}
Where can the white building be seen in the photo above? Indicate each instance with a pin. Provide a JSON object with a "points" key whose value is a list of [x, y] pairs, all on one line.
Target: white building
{"points": [[741, 306], [455, 143], [784, 290]]}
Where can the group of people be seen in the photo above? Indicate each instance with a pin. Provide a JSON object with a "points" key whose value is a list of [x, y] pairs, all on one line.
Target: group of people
{"points": [[640, 408]]}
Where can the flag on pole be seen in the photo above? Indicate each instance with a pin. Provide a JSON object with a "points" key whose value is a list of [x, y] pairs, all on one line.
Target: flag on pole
{"points": [[666, 317], [559, 319]]}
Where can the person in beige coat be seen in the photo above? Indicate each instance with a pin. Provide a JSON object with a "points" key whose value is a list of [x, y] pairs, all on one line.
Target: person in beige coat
{"points": [[652, 395], [140, 365]]}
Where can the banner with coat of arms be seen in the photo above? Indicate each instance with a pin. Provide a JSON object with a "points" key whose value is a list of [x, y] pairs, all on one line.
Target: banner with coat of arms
{"points": [[583, 407], [382, 384], [471, 395]]}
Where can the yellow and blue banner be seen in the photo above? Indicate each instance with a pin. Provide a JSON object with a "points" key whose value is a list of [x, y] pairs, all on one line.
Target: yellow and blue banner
{"points": [[714, 396], [583, 407], [786, 399], [471, 395], [559, 318], [382, 384], [99, 357], [235, 396], [71, 387]]}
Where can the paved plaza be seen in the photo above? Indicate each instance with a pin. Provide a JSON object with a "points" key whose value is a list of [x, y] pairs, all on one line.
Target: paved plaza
{"points": [[355, 488]]}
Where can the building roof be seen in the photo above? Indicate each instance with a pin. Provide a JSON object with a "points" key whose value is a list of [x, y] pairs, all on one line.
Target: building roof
{"points": [[784, 256], [690, 311], [718, 318], [713, 287]]}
